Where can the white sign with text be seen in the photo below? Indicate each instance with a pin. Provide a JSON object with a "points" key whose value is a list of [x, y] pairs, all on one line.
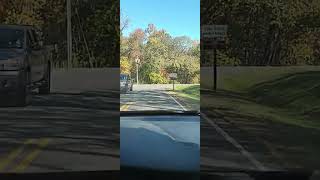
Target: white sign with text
{"points": [[218, 32]]}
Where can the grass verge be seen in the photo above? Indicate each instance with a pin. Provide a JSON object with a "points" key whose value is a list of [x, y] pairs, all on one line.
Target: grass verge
{"points": [[188, 96], [283, 113]]}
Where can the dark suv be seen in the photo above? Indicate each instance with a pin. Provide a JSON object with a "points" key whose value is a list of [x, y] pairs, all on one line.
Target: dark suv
{"points": [[24, 64], [125, 83]]}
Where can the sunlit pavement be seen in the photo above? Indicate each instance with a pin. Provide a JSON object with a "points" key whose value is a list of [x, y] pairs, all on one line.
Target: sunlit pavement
{"points": [[148, 100], [63, 131]]}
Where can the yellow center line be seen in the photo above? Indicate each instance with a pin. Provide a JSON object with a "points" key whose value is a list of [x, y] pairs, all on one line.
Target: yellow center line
{"points": [[42, 143], [14, 154], [126, 106]]}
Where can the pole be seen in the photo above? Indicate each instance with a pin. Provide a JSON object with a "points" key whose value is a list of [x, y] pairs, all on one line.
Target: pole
{"points": [[173, 84], [137, 74], [215, 68], [69, 34]]}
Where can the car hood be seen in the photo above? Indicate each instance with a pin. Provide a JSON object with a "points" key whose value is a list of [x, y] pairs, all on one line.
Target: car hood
{"points": [[162, 143], [6, 54]]}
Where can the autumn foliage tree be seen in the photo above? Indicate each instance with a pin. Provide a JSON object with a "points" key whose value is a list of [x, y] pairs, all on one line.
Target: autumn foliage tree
{"points": [[266, 32], [161, 54], [95, 28]]}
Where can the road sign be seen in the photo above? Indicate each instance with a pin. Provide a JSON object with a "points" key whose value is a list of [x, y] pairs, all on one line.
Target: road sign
{"points": [[214, 37], [214, 32], [173, 76], [137, 60]]}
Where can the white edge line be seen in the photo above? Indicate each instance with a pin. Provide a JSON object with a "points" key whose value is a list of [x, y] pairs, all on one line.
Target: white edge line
{"points": [[242, 150], [184, 109]]}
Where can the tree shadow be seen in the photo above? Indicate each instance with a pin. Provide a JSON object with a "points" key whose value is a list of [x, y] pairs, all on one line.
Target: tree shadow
{"points": [[84, 124]]}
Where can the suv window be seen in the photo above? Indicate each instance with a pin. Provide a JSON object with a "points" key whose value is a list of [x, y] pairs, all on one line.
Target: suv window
{"points": [[123, 77], [10, 38]]}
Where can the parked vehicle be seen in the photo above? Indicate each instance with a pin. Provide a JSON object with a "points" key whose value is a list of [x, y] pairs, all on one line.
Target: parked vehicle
{"points": [[125, 83], [24, 64]]}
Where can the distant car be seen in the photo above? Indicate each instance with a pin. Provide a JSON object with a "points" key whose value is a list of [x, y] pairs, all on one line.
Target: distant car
{"points": [[125, 83], [24, 64]]}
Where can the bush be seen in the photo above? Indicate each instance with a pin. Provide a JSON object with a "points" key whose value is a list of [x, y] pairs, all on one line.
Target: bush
{"points": [[156, 78]]}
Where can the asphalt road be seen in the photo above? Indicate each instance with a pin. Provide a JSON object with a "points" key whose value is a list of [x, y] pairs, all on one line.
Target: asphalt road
{"points": [[224, 145], [148, 100], [72, 129]]}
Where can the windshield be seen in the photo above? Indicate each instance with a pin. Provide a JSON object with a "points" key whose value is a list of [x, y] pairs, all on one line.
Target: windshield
{"points": [[11, 38], [123, 77]]}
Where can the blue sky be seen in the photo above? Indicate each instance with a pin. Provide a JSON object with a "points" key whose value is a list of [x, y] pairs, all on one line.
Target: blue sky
{"points": [[178, 17]]}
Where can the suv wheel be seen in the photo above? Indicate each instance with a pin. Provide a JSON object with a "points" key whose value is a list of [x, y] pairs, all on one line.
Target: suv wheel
{"points": [[45, 87]]}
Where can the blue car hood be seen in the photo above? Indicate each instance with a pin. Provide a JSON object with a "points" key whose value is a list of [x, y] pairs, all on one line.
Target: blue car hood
{"points": [[161, 143]]}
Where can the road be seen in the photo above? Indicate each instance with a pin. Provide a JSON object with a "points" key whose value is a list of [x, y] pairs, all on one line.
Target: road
{"points": [[75, 128], [226, 144], [220, 151], [147, 100]]}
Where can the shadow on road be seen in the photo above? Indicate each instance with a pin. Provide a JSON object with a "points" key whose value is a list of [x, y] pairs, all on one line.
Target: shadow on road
{"points": [[84, 124]]}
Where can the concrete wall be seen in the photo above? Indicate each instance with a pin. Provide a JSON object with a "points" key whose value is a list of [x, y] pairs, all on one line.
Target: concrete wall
{"points": [[79, 80], [159, 87], [234, 73], [82, 79]]}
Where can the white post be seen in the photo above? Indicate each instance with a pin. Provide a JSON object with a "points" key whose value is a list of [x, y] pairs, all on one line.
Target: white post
{"points": [[137, 69], [137, 73]]}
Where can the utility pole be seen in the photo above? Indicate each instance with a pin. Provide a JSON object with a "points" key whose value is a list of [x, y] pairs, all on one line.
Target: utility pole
{"points": [[69, 34], [173, 84]]}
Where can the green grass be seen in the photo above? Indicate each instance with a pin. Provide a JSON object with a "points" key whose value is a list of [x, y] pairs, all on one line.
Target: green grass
{"points": [[189, 91], [299, 93], [189, 95], [242, 105], [243, 78], [283, 94]]}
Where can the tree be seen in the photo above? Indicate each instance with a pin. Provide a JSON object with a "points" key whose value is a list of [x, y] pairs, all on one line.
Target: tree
{"points": [[161, 54], [266, 32], [95, 28], [125, 65]]}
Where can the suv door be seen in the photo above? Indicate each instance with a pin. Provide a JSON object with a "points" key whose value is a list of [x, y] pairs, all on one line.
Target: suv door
{"points": [[35, 57]]}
